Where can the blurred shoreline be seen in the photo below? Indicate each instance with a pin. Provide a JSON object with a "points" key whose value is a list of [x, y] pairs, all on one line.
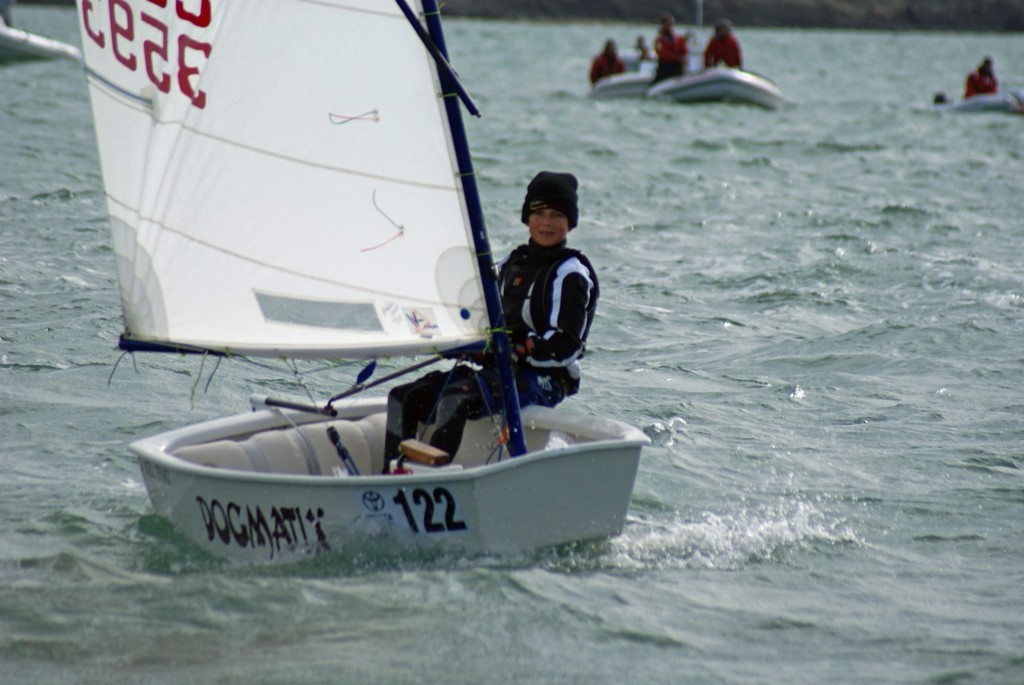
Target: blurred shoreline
{"points": [[917, 15], [904, 15]]}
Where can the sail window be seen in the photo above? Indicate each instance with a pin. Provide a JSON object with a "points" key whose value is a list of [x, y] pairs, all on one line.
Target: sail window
{"points": [[358, 316]]}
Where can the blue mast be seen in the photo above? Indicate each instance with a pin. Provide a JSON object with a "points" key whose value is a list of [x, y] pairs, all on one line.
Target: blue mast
{"points": [[451, 86]]}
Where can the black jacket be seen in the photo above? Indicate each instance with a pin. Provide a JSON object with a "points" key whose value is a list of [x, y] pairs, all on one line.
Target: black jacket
{"points": [[549, 296]]}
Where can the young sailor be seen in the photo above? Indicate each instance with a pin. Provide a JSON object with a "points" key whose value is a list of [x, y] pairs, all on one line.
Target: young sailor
{"points": [[549, 294]]}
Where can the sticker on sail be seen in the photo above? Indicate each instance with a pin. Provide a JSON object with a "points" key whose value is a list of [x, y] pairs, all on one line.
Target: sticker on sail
{"points": [[420, 321]]}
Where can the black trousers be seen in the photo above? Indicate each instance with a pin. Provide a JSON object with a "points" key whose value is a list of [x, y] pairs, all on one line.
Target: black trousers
{"points": [[667, 70], [449, 398]]}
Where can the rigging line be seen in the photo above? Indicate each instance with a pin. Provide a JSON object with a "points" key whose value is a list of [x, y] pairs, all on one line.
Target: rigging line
{"points": [[443, 65], [209, 379], [491, 332], [500, 443], [269, 366], [359, 387], [277, 267], [195, 384], [343, 454], [114, 89], [474, 212], [498, 424], [392, 221], [110, 378], [292, 367], [341, 119], [400, 227], [288, 270], [300, 380], [432, 416], [240, 145], [346, 7], [310, 452], [321, 368]]}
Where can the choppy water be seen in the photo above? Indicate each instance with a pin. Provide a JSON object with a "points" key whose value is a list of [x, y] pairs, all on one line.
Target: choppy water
{"points": [[815, 313]]}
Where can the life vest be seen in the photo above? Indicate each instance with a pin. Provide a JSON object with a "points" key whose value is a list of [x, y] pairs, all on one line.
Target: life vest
{"points": [[980, 84], [527, 282], [671, 47]]}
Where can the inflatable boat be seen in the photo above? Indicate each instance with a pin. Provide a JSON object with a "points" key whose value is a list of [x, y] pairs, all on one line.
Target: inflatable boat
{"points": [[1009, 101], [717, 84]]}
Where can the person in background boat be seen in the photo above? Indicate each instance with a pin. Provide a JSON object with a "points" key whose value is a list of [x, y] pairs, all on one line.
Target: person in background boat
{"points": [[981, 81], [607, 63], [549, 294], [643, 52], [5, 12], [723, 47], [671, 49]]}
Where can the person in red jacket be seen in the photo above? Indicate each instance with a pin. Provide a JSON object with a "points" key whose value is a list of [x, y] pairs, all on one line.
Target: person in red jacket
{"points": [[607, 63], [982, 80], [723, 48], [671, 49]]}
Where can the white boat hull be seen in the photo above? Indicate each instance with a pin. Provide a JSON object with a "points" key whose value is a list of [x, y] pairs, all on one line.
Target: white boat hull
{"points": [[16, 44], [631, 84], [1008, 101], [578, 488], [720, 84]]}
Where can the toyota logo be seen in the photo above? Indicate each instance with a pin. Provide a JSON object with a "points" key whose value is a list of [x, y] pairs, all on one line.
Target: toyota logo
{"points": [[373, 500]]}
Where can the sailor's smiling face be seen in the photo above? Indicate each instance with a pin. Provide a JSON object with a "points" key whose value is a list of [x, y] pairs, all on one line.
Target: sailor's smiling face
{"points": [[548, 227]]}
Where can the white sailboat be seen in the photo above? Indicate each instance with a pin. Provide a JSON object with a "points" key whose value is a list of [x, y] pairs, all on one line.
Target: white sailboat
{"points": [[315, 202], [17, 45]]}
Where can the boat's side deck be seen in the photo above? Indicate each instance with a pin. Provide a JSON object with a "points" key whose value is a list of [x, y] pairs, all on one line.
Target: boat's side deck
{"points": [[308, 449]]}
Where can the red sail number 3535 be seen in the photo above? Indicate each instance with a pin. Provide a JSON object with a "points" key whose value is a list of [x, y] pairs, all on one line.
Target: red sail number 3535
{"points": [[136, 36]]}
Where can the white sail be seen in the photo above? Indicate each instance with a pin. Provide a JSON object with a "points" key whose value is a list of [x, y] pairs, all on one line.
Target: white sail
{"points": [[280, 177]]}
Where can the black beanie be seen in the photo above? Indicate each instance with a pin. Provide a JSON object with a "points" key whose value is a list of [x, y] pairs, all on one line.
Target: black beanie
{"points": [[549, 189]]}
